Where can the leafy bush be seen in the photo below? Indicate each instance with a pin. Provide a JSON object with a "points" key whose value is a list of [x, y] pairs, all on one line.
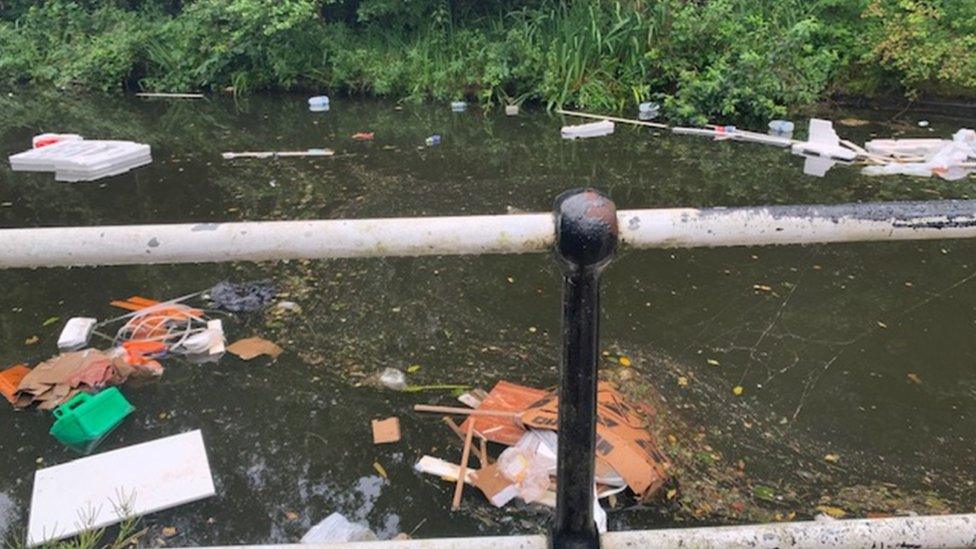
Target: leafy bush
{"points": [[728, 59]]}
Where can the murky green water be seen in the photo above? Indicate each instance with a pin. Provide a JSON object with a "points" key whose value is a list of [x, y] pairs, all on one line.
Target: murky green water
{"points": [[820, 374]]}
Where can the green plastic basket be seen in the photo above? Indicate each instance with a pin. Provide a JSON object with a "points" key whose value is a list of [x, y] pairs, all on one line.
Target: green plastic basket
{"points": [[85, 420]]}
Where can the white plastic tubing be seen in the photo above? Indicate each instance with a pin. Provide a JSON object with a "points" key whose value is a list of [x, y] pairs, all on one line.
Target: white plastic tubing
{"points": [[468, 235]]}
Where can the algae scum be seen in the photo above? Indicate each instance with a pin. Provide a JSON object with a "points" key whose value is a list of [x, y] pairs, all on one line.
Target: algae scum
{"points": [[786, 382]]}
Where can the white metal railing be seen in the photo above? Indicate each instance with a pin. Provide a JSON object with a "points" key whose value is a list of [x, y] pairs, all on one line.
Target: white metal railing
{"points": [[469, 235]]}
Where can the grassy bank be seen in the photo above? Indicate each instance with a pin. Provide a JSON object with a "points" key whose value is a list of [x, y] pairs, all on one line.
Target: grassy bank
{"points": [[727, 59]]}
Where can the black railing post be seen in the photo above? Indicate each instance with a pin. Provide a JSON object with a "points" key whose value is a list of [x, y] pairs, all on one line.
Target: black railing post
{"points": [[586, 238]]}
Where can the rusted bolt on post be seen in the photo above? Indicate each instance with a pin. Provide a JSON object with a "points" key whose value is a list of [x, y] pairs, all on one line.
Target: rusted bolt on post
{"points": [[586, 239]]}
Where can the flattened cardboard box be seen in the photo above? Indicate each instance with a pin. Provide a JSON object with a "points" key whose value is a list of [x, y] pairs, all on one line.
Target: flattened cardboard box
{"points": [[622, 438]]}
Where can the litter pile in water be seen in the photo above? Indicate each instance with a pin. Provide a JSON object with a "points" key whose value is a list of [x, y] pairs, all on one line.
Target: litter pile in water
{"points": [[80, 381], [524, 421], [949, 159]]}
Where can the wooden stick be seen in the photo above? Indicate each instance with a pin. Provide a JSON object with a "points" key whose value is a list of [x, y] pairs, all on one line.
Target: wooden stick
{"points": [[457, 430], [172, 95], [484, 453], [465, 454], [465, 411], [277, 154], [614, 119]]}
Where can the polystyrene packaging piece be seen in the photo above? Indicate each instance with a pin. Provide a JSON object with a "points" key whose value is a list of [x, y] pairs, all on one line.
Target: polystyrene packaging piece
{"points": [[82, 159], [823, 141], [76, 333], [103, 489], [593, 129], [337, 529], [905, 147]]}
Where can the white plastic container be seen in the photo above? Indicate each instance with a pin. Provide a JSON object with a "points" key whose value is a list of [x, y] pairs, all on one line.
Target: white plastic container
{"points": [[511, 110], [593, 129], [76, 333]]}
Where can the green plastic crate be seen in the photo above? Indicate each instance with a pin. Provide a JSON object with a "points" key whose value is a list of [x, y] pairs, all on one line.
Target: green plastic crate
{"points": [[85, 420]]}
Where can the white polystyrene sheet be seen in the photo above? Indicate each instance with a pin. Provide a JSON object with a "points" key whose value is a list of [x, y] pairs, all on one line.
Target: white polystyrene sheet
{"points": [[84, 160], [147, 477]]}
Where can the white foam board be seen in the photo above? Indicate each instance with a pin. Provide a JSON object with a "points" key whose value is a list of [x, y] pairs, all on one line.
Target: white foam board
{"points": [[148, 477]]}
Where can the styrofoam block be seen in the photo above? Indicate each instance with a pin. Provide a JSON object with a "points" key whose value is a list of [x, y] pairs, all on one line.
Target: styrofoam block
{"points": [[88, 492]]}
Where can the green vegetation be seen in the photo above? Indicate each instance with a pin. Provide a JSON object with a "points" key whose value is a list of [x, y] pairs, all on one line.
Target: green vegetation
{"points": [[701, 58]]}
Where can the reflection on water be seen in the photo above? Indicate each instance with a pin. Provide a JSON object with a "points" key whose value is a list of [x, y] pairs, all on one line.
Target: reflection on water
{"points": [[821, 338], [7, 514]]}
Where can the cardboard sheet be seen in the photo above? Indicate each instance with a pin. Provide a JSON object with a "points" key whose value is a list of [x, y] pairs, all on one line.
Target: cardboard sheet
{"points": [[504, 397], [254, 347], [622, 438], [147, 477], [386, 430]]}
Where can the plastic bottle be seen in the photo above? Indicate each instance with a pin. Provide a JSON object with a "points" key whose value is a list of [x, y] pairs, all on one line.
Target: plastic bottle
{"points": [[433, 140], [648, 111], [459, 106], [780, 127], [319, 103]]}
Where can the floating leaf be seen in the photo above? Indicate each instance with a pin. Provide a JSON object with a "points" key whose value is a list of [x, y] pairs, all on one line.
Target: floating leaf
{"points": [[672, 440], [913, 378], [671, 493], [624, 361], [50, 321], [31, 340], [882, 325], [682, 381], [413, 368], [835, 512], [291, 516], [762, 288], [737, 390], [833, 458], [379, 469], [712, 362]]}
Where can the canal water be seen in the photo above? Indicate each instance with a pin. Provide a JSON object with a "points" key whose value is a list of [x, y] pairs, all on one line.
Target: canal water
{"points": [[856, 362]]}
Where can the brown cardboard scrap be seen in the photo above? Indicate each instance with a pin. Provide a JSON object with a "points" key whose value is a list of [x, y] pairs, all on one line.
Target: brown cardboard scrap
{"points": [[496, 487], [386, 430], [253, 347], [623, 440], [58, 379]]}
